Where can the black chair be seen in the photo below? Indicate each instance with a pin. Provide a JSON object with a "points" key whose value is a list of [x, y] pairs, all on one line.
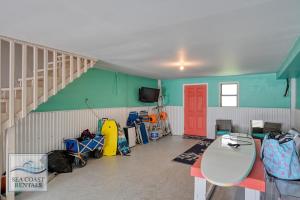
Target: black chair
{"points": [[259, 129], [223, 126]]}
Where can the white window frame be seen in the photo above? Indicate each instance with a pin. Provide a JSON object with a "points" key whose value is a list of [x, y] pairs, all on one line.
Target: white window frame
{"points": [[237, 95]]}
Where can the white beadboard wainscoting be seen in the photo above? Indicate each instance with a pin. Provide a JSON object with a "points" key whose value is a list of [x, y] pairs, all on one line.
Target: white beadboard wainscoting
{"points": [[297, 119], [240, 118], [41, 132]]}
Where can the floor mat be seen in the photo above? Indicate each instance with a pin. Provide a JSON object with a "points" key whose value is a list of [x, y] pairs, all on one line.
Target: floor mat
{"points": [[190, 156]]}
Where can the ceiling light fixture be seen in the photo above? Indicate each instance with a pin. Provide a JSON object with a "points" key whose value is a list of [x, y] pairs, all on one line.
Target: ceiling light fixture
{"points": [[182, 63], [181, 60]]}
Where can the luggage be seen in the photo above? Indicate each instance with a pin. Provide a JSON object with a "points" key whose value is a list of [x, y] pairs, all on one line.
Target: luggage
{"points": [[130, 135], [60, 161], [110, 132], [142, 133]]}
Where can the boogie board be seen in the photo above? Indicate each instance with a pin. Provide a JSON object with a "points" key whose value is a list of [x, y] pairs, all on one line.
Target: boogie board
{"points": [[110, 132], [143, 133], [130, 135], [227, 166]]}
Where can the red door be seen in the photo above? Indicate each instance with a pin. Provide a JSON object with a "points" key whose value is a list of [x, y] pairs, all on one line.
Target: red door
{"points": [[195, 106]]}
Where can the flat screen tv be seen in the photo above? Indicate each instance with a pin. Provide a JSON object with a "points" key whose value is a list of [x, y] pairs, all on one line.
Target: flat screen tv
{"points": [[148, 95]]}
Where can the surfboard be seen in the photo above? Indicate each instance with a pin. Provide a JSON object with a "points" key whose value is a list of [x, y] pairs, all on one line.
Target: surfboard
{"points": [[224, 165]]}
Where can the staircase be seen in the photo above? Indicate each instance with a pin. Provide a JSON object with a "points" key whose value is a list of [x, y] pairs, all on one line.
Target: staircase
{"points": [[31, 73]]}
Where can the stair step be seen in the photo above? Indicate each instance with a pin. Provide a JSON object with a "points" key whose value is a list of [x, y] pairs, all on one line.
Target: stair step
{"points": [[42, 70]]}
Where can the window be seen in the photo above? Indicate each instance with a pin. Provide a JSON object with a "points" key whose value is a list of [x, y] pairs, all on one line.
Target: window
{"points": [[229, 95]]}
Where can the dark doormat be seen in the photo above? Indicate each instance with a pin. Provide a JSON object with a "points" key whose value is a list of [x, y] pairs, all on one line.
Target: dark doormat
{"points": [[190, 156], [193, 137]]}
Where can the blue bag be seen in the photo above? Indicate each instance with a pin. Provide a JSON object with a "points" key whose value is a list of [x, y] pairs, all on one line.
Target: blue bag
{"points": [[280, 158], [132, 118]]}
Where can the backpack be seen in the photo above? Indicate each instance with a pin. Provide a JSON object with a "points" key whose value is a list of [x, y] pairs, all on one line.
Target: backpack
{"points": [[280, 157]]}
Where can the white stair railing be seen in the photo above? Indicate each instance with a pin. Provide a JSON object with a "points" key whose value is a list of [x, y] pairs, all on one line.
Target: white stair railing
{"points": [[44, 71], [47, 77]]}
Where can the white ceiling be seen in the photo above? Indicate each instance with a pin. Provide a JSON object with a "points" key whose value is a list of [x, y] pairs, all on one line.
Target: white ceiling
{"points": [[141, 36]]}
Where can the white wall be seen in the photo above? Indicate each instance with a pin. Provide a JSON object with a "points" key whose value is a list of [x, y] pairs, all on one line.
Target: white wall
{"points": [[240, 118], [45, 131], [297, 119]]}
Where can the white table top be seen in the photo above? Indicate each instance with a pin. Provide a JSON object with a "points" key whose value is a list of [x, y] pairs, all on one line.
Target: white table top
{"points": [[226, 166]]}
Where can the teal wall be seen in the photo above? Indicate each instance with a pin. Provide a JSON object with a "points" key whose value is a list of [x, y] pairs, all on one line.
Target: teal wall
{"points": [[259, 90], [298, 93], [291, 65], [103, 88]]}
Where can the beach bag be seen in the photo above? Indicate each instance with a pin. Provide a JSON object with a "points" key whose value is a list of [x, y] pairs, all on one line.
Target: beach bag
{"points": [[123, 147], [60, 161], [280, 157], [132, 118], [86, 135]]}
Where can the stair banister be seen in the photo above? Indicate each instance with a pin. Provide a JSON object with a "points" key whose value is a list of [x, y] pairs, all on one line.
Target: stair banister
{"points": [[78, 66], [45, 75], [63, 71], [24, 81], [11, 99], [35, 77], [85, 65], [71, 68], [54, 72]]}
